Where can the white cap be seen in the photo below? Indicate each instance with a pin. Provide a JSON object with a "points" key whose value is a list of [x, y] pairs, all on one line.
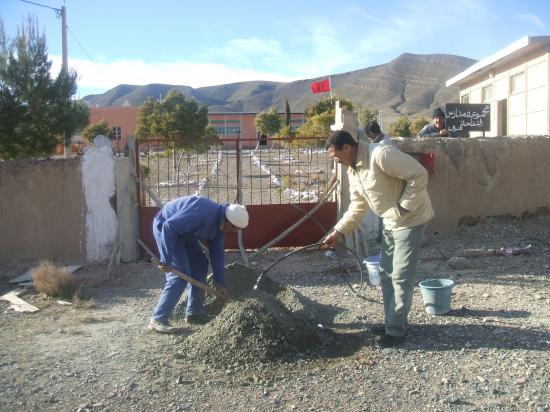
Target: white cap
{"points": [[237, 215]]}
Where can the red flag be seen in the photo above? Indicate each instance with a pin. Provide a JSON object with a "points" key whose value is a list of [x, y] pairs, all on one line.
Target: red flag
{"points": [[321, 87]]}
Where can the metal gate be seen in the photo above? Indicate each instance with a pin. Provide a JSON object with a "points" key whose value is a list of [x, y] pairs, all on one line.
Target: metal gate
{"points": [[279, 182]]}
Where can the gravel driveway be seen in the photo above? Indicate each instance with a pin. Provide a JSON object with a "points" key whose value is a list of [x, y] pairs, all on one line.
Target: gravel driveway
{"points": [[491, 352]]}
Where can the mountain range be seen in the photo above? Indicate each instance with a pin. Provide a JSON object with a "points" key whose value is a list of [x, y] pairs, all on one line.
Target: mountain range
{"points": [[411, 85]]}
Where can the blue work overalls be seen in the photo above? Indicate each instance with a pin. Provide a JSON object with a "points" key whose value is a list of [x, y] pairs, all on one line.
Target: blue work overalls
{"points": [[177, 228]]}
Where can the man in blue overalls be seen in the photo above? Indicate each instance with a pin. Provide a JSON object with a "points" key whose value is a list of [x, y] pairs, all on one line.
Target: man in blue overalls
{"points": [[178, 228]]}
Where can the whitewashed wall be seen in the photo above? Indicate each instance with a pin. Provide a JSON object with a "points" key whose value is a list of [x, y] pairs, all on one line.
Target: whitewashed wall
{"points": [[98, 181]]}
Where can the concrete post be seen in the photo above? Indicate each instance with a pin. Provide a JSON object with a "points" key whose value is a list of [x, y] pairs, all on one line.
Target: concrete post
{"points": [[126, 192]]}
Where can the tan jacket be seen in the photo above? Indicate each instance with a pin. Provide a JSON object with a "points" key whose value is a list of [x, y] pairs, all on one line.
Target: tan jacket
{"points": [[390, 177]]}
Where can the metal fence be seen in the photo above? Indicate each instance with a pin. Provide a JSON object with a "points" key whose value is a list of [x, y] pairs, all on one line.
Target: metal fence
{"points": [[280, 171]]}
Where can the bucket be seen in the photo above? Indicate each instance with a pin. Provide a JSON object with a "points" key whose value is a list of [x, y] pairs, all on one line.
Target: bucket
{"points": [[436, 294], [373, 267]]}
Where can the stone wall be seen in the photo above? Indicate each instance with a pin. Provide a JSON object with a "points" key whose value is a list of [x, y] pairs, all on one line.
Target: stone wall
{"points": [[482, 177]]}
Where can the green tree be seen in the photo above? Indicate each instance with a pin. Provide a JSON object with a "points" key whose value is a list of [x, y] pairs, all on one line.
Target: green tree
{"points": [[320, 116], [401, 127], [327, 104], [418, 124], [145, 119], [268, 122], [36, 112], [95, 129], [287, 113], [178, 121], [317, 125], [364, 116]]}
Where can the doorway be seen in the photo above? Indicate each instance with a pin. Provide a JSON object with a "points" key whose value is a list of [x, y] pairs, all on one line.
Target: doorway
{"points": [[502, 116]]}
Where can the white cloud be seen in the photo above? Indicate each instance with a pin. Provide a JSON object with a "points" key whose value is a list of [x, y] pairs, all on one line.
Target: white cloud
{"points": [[100, 77], [532, 19], [270, 56]]}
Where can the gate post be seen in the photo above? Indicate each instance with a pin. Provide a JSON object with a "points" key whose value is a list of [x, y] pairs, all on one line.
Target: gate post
{"points": [[127, 202], [239, 148]]}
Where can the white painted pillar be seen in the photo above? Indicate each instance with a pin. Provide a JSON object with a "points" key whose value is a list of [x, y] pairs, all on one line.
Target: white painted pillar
{"points": [[98, 178]]}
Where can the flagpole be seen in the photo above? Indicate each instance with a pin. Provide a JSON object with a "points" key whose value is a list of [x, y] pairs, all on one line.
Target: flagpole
{"points": [[330, 86]]}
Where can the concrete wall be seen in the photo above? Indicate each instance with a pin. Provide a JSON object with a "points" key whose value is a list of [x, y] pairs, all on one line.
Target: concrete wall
{"points": [[42, 210], [68, 210], [485, 176]]}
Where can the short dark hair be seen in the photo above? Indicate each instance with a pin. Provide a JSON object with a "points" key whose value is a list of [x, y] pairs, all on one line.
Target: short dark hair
{"points": [[373, 127], [339, 139]]}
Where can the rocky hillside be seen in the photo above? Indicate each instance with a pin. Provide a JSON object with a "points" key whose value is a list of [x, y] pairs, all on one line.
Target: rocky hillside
{"points": [[410, 85]]}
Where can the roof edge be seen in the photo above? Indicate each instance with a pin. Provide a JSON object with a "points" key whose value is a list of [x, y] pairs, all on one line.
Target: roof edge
{"points": [[512, 48]]}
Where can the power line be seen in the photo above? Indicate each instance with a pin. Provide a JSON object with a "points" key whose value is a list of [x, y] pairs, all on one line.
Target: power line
{"points": [[87, 54], [57, 11]]}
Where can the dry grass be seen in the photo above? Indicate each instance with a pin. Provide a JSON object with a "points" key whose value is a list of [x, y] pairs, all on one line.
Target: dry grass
{"points": [[56, 281]]}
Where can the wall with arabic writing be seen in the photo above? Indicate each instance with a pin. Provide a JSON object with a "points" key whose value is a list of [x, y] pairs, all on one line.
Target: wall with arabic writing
{"points": [[485, 176]]}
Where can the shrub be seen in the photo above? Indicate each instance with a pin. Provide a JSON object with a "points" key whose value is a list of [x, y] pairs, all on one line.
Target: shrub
{"points": [[401, 127], [417, 125], [55, 281]]}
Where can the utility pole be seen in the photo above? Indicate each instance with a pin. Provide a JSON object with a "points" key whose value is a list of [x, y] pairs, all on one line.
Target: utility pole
{"points": [[64, 49], [65, 69], [65, 53]]}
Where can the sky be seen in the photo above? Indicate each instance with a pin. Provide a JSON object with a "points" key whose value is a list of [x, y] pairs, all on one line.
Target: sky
{"points": [[207, 43]]}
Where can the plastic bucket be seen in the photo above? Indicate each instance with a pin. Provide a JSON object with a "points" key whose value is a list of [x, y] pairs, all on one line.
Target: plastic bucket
{"points": [[436, 294], [373, 267]]}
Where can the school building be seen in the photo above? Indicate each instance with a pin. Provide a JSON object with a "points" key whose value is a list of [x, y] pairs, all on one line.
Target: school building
{"points": [[229, 126], [515, 82]]}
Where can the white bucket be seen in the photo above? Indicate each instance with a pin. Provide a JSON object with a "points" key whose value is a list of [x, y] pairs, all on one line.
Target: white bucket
{"points": [[373, 267]]}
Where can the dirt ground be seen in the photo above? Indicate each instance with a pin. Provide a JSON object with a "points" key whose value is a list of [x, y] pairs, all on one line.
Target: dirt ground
{"points": [[491, 352]]}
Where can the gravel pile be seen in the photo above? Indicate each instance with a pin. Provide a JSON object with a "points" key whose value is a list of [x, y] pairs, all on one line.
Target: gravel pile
{"points": [[256, 326]]}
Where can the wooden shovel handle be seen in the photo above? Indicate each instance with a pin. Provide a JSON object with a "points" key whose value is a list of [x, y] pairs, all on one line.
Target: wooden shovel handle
{"points": [[167, 268]]}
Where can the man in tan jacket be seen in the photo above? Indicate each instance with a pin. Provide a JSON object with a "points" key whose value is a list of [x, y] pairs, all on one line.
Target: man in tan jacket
{"points": [[393, 185]]}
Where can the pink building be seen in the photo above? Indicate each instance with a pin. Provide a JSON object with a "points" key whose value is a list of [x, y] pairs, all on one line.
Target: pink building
{"points": [[229, 126]]}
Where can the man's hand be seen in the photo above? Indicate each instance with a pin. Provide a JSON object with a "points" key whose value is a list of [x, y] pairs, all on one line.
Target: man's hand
{"points": [[331, 240], [443, 132], [224, 293]]}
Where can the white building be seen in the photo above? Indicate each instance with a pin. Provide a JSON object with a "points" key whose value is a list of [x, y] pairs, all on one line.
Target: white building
{"points": [[515, 82]]}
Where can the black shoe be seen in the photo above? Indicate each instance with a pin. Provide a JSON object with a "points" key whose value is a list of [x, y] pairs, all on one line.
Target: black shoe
{"points": [[378, 329], [201, 319], [389, 341]]}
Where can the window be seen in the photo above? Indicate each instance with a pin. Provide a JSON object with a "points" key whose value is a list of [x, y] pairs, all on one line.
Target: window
{"points": [[227, 130], [465, 98], [487, 94], [517, 83], [223, 121], [116, 132]]}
